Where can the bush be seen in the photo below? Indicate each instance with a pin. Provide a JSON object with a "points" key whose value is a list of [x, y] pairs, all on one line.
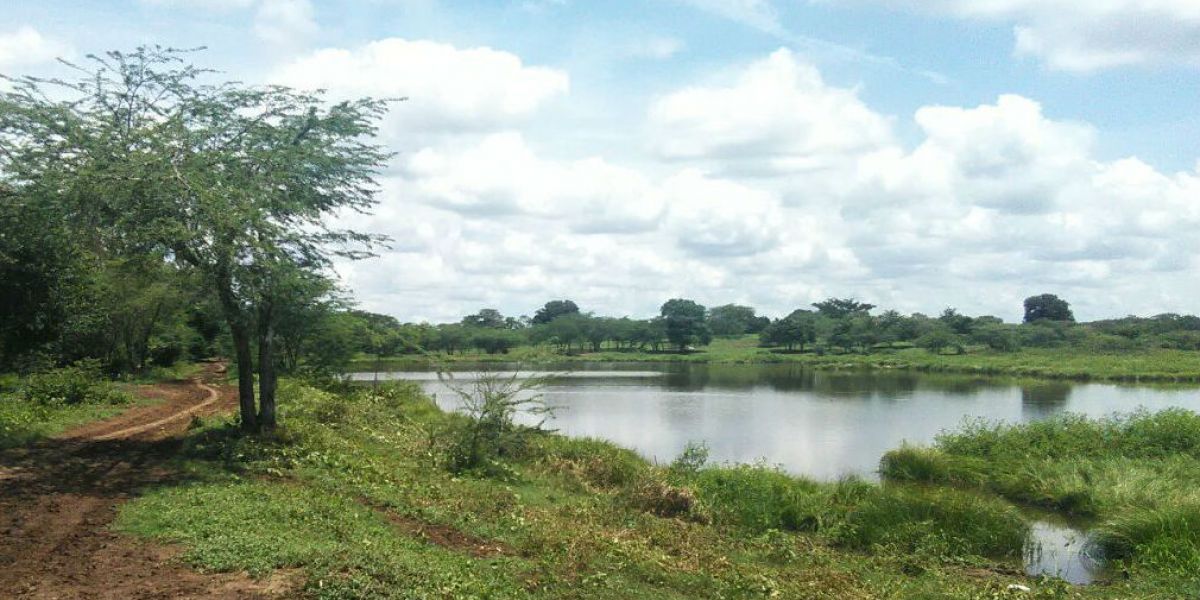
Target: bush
{"points": [[488, 431], [80, 383]]}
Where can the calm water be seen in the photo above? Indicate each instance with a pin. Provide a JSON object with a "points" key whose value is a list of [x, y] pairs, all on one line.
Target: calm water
{"points": [[820, 424]]}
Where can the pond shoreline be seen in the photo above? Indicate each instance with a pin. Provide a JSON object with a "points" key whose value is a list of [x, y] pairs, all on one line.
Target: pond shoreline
{"points": [[1165, 366]]}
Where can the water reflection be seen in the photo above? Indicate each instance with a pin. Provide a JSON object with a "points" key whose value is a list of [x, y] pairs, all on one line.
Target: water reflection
{"points": [[820, 424], [1057, 549], [1044, 399]]}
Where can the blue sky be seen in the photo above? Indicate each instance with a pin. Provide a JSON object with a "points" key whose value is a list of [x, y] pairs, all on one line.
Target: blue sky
{"points": [[917, 154]]}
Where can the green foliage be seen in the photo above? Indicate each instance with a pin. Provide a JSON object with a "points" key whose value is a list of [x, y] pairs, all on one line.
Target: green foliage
{"points": [[735, 319], [946, 522], [80, 383], [940, 339], [1137, 474], [553, 310], [487, 431], [791, 332], [686, 323], [759, 498], [1047, 307], [691, 459]]}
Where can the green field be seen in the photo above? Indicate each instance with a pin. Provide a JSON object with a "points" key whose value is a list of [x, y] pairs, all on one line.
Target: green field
{"points": [[1057, 363], [353, 493]]}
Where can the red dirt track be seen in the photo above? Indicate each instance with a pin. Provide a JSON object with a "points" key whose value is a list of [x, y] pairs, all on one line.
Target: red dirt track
{"points": [[59, 497]]}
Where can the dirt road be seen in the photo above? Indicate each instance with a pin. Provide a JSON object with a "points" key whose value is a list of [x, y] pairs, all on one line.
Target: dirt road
{"points": [[58, 499]]}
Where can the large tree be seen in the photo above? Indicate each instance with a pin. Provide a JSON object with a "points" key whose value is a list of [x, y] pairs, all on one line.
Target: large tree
{"points": [[553, 310], [686, 323], [1047, 307], [840, 308], [735, 319], [239, 183]]}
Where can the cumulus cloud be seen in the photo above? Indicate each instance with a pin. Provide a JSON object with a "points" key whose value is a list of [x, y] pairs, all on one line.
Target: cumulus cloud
{"points": [[712, 217], [807, 193], [777, 114], [448, 89], [1079, 35], [500, 174], [27, 46]]}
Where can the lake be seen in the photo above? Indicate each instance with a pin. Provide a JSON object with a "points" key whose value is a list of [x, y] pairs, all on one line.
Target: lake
{"points": [[820, 424]]}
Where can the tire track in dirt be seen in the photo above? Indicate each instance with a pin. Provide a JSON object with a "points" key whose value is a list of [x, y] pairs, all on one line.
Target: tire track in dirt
{"points": [[58, 499]]}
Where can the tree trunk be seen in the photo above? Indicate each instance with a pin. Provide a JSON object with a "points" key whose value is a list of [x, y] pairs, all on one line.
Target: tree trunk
{"points": [[245, 366], [267, 377], [239, 330]]}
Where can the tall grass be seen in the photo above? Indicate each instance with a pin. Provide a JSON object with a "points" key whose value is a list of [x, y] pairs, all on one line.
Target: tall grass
{"points": [[1137, 474]]}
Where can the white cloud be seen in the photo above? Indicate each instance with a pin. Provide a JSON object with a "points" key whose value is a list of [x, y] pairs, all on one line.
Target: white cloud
{"points": [[285, 22], [27, 46], [1086, 35], [777, 189], [778, 114], [711, 217], [501, 175], [449, 89]]}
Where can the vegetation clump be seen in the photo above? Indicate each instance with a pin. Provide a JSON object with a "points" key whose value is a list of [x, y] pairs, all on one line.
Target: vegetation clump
{"points": [[1136, 475]]}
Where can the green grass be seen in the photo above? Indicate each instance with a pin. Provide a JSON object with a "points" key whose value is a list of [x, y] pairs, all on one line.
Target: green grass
{"points": [[39, 407], [1137, 475], [1059, 363], [572, 519]]}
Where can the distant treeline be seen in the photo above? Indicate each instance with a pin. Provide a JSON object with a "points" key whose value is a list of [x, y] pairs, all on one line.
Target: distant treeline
{"points": [[836, 325]]}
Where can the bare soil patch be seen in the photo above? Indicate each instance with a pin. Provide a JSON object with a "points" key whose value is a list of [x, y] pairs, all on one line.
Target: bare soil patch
{"points": [[58, 499]]}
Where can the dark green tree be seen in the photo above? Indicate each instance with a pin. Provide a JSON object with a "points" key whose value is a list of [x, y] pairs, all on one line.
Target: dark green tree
{"points": [[686, 323], [733, 319], [792, 332], [1047, 307], [554, 309], [487, 317], [839, 308]]}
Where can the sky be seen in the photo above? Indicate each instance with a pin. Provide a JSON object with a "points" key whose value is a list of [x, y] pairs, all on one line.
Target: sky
{"points": [[916, 154]]}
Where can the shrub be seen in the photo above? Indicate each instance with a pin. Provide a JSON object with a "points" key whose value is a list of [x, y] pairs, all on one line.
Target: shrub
{"points": [[80, 383], [489, 432], [691, 459]]}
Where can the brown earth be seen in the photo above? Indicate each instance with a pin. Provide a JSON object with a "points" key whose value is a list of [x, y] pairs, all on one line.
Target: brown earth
{"points": [[58, 499]]}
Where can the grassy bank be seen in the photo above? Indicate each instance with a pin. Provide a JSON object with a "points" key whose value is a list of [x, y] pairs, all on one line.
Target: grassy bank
{"points": [[353, 494], [1138, 476], [1066, 363]]}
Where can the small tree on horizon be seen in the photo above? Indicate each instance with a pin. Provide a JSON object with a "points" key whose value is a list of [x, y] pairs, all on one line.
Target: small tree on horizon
{"points": [[1047, 307], [686, 323]]}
